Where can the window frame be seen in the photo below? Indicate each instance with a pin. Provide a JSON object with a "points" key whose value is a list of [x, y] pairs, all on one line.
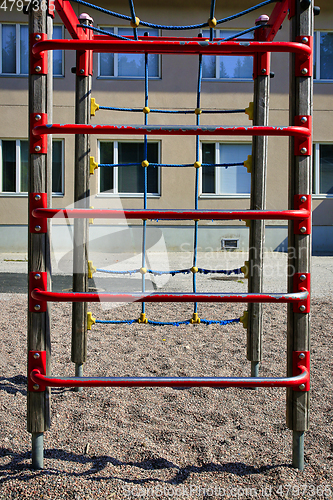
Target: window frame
{"points": [[115, 193], [63, 52], [18, 193], [217, 173], [217, 60], [316, 72], [18, 53], [116, 65], [316, 172]]}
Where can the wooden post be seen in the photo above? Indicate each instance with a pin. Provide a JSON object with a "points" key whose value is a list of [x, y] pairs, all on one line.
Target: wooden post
{"points": [[40, 175], [258, 202], [299, 246], [81, 199]]}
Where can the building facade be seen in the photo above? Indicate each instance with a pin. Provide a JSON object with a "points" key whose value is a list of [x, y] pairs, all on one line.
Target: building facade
{"points": [[118, 81]]}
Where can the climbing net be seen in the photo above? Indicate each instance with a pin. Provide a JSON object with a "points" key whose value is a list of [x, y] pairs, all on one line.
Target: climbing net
{"points": [[197, 111]]}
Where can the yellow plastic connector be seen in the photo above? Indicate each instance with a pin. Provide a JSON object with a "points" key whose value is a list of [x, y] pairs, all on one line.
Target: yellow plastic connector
{"points": [[197, 164], [92, 165], [143, 270], [195, 319], [248, 164], [145, 163], [212, 22], [247, 222], [136, 23], [194, 269], [143, 318], [198, 111], [244, 319], [91, 269], [90, 320], [250, 110], [93, 106], [91, 220], [245, 269], [146, 110]]}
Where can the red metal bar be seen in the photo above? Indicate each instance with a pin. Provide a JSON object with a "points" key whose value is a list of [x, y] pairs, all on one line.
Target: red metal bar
{"points": [[284, 298], [82, 213], [294, 131], [164, 46], [42, 381], [276, 19], [70, 20]]}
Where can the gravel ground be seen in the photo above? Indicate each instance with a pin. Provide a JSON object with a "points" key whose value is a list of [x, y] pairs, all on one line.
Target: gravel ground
{"points": [[166, 443]]}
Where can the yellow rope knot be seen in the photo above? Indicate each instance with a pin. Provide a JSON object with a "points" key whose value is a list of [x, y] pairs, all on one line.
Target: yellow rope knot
{"points": [[143, 318], [194, 269], [197, 164], [146, 110], [244, 319], [195, 319], [135, 23], [212, 22], [145, 163], [143, 270], [91, 269], [198, 111], [90, 320]]}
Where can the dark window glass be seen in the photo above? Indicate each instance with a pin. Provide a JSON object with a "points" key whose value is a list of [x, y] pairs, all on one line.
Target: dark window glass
{"points": [[132, 179], [208, 173], [326, 56], [24, 166], [57, 167], [326, 168], [9, 166], [9, 48], [106, 173]]}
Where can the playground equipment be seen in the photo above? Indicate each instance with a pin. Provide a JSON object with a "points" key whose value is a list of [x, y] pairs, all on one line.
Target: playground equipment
{"points": [[86, 40]]}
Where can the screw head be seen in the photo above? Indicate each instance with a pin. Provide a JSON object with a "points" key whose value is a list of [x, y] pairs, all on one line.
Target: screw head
{"points": [[304, 151], [35, 387], [81, 71], [302, 308], [37, 276], [37, 149], [302, 355], [302, 277], [37, 197], [303, 229], [38, 37], [38, 69], [305, 39], [36, 355], [38, 117], [303, 199], [304, 71], [37, 228], [37, 307], [264, 70], [304, 119], [301, 387]]}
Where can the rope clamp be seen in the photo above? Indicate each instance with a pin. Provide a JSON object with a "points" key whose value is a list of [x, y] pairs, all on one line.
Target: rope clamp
{"points": [[212, 22], [135, 23], [92, 165], [195, 319], [248, 164], [146, 110], [90, 320], [91, 269], [143, 318], [245, 269], [93, 106], [197, 164], [250, 110], [244, 319], [145, 163]]}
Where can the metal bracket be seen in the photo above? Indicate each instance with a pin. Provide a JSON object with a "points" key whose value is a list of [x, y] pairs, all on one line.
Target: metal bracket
{"points": [[38, 143], [38, 62], [292, 9], [302, 226], [261, 64], [301, 283], [301, 359], [303, 145], [37, 200], [36, 360], [84, 59], [37, 279], [303, 63]]}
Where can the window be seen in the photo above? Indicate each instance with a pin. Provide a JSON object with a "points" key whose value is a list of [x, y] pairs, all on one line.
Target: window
{"points": [[128, 65], [323, 169], [14, 166], [14, 53], [221, 181], [129, 179], [323, 55], [227, 67]]}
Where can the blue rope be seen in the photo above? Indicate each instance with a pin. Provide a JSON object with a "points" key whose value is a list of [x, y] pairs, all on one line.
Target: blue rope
{"points": [[98, 30], [135, 31], [175, 111], [226, 165], [145, 155], [212, 15], [168, 323], [161, 26], [249, 30], [177, 271]]}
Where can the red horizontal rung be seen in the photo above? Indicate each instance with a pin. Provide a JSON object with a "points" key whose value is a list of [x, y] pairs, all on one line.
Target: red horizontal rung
{"points": [[41, 295], [83, 213]]}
